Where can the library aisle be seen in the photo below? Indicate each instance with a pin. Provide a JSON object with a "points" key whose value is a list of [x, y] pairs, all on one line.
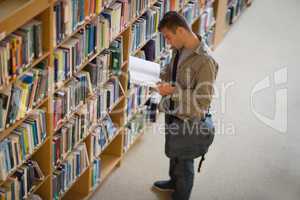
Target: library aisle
{"points": [[249, 160]]}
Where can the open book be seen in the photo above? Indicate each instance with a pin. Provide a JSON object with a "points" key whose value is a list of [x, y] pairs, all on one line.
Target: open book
{"points": [[143, 72]]}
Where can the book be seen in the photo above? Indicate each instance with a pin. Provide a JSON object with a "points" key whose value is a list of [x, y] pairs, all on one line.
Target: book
{"points": [[109, 126], [99, 140], [96, 172], [113, 92], [22, 142], [143, 72], [116, 56]]}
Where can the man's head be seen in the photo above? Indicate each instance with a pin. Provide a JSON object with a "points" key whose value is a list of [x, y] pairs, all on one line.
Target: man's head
{"points": [[174, 28]]}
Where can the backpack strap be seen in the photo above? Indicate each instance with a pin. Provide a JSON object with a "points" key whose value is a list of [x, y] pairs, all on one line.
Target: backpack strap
{"points": [[200, 163]]}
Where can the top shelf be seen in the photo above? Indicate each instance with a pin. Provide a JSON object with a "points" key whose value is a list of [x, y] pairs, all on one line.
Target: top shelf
{"points": [[14, 13]]}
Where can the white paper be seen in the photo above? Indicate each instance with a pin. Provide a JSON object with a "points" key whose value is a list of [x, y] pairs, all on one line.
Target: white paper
{"points": [[143, 72]]}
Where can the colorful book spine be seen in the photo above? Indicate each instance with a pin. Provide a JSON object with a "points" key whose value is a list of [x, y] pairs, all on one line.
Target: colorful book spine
{"points": [[96, 172]]}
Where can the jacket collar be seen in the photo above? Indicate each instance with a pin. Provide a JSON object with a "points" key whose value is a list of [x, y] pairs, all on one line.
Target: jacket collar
{"points": [[200, 50]]}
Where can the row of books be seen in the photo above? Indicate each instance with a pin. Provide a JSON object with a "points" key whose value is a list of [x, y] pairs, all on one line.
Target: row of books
{"points": [[71, 14], [69, 136], [99, 69], [207, 24], [191, 11], [21, 183], [137, 98], [26, 93], [19, 50], [68, 99], [68, 171], [133, 129], [235, 7], [144, 28], [70, 56], [96, 172], [22, 142], [102, 134]]}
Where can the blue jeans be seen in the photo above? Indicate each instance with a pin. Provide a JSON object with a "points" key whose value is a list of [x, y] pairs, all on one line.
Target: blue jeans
{"points": [[182, 176]]}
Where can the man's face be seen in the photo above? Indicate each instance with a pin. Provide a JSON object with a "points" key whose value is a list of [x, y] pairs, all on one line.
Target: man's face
{"points": [[174, 39]]}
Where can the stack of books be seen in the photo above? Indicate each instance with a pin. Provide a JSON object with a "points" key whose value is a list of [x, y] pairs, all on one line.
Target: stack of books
{"points": [[20, 184], [19, 50], [26, 93], [69, 57], [99, 69], [74, 165], [133, 129], [70, 15], [22, 142], [145, 27], [207, 27], [110, 127], [191, 11], [136, 99], [235, 8], [99, 140]]}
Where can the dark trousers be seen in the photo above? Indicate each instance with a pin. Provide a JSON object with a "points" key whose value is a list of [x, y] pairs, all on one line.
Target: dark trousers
{"points": [[182, 176]]}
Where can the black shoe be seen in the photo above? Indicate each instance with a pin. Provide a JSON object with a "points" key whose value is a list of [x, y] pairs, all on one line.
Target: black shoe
{"points": [[164, 186]]}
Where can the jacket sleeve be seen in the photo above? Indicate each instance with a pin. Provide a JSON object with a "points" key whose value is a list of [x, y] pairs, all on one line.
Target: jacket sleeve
{"points": [[193, 102]]}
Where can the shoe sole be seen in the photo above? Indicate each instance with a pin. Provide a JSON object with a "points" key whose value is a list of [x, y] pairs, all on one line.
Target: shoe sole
{"points": [[163, 190]]}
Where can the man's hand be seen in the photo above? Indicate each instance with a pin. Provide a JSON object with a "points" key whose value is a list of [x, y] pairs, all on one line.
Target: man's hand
{"points": [[165, 89]]}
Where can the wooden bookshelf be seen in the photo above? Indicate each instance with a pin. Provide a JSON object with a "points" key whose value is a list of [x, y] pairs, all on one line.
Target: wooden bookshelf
{"points": [[16, 13], [222, 27]]}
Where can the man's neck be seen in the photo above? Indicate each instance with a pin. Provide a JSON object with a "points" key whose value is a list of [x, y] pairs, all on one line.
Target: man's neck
{"points": [[192, 41]]}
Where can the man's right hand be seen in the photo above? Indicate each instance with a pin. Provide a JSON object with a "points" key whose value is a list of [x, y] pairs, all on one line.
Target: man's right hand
{"points": [[165, 89]]}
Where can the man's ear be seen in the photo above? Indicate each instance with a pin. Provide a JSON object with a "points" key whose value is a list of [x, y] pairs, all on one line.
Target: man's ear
{"points": [[180, 30]]}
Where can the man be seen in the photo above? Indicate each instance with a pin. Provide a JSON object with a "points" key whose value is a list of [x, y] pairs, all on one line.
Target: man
{"points": [[187, 90]]}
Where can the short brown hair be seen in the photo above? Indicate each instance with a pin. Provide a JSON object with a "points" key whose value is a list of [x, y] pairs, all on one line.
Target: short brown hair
{"points": [[172, 20]]}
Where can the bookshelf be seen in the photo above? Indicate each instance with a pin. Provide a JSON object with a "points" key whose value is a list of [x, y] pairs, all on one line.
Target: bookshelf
{"points": [[65, 130], [227, 13]]}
